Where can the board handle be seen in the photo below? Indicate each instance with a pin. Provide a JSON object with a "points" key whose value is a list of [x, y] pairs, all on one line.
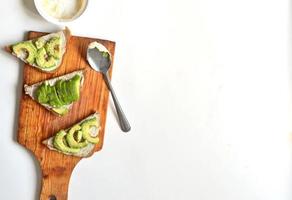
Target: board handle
{"points": [[55, 185]]}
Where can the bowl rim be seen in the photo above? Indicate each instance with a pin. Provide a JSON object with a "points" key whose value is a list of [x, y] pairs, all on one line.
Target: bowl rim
{"points": [[54, 20]]}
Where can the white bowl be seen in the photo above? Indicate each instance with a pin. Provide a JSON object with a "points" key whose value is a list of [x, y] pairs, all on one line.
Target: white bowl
{"points": [[60, 21]]}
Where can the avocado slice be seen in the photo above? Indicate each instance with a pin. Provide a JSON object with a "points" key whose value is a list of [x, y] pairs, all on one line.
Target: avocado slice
{"points": [[73, 88], [85, 128], [61, 111], [43, 60], [70, 137], [67, 96], [53, 47], [39, 43], [61, 93], [47, 94], [60, 145], [41, 93], [25, 48], [79, 136], [54, 100], [68, 91]]}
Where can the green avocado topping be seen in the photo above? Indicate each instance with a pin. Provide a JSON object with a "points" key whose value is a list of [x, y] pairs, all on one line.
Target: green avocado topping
{"points": [[39, 43], [61, 111], [62, 93], [25, 50], [39, 52], [77, 137], [42, 93], [72, 139], [43, 60], [60, 144], [86, 130], [53, 47], [73, 86]]}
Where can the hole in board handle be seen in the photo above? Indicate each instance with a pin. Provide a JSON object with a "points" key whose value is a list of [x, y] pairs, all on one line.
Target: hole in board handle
{"points": [[52, 197]]}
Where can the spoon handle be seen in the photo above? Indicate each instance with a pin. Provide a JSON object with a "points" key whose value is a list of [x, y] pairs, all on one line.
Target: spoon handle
{"points": [[125, 126]]}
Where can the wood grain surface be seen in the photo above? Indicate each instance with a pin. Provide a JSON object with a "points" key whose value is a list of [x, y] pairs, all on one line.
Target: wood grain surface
{"points": [[36, 123]]}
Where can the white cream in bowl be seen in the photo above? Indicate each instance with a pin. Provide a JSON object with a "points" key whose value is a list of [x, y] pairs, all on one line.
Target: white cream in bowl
{"points": [[59, 11]]}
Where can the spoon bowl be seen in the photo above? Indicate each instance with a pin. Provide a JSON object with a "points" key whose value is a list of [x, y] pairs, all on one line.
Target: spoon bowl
{"points": [[98, 57]]}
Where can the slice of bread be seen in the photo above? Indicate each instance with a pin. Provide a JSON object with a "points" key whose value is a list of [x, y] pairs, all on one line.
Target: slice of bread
{"points": [[64, 36], [85, 151], [30, 89]]}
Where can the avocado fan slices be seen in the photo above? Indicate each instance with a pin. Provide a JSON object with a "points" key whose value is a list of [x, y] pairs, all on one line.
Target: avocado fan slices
{"points": [[44, 53], [69, 91], [57, 94], [76, 140]]}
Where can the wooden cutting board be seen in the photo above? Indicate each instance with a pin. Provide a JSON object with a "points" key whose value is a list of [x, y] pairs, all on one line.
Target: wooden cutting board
{"points": [[36, 123]]}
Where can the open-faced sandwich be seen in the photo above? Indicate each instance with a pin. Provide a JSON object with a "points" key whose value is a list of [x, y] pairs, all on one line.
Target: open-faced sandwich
{"points": [[78, 140], [44, 53], [57, 94]]}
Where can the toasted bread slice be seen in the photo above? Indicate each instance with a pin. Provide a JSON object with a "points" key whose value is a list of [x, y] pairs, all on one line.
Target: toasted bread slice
{"points": [[85, 151], [31, 91], [23, 53]]}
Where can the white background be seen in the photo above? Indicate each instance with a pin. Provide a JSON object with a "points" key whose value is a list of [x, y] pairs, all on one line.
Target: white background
{"points": [[206, 85]]}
